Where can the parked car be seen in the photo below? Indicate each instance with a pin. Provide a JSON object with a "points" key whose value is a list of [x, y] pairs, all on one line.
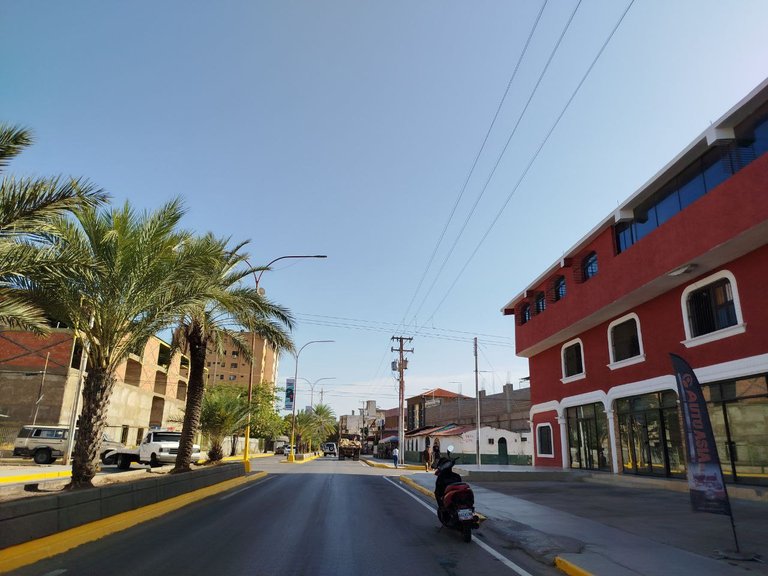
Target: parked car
{"points": [[44, 444], [157, 448], [280, 450]]}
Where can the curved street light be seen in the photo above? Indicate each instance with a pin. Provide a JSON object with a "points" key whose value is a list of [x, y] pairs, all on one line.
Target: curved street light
{"points": [[291, 456], [257, 279], [312, 388]]}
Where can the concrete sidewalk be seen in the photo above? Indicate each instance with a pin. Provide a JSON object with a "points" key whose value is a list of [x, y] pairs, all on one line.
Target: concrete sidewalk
{"points": [[610, 529]]}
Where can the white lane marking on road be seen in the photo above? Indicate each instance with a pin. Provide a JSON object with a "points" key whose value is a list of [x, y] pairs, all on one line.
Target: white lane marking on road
{"points": [[500, 557], [56, 572], [246, 488]]}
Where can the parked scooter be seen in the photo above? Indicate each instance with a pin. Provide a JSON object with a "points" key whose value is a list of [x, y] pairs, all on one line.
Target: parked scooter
{"points": [[455, 499]]}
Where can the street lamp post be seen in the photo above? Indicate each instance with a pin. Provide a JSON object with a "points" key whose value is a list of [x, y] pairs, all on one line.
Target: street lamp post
{"points": [[312, 388], [42, 385], [257, 279], [291, 457]]}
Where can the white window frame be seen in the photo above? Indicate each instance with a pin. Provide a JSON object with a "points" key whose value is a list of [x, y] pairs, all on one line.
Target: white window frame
{"points": [[739, 328], [614, 365], [539, 454], [583, 374]]}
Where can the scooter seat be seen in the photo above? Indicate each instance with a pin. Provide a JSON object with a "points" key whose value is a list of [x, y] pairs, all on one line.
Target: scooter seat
{"points": [[456, 486]]}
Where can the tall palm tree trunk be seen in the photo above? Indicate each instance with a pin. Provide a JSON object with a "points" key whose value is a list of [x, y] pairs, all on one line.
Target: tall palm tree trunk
{"points": [[97, 390], [195, 392]]}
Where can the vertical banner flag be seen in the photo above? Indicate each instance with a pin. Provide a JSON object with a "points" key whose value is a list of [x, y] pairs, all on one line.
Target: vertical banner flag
{"points": [[705, 476], [289, 383]]}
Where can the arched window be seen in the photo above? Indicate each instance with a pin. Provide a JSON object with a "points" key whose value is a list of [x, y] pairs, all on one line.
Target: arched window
{"points": [[572, 355], [589, 266], [711, 309], [625, 343], [541, 303], [544, 444]]}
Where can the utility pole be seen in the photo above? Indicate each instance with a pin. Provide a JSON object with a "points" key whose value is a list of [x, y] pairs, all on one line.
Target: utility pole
{"points": [[402, 365], [477, 400]]}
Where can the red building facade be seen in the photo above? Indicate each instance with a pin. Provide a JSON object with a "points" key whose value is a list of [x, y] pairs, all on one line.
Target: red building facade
{"points": [[678, 268]]}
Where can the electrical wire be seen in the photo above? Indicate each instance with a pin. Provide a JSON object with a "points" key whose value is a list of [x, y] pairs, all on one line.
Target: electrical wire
{"points": [[474, 163], [533, 159], [520, 117], [466, 182]]}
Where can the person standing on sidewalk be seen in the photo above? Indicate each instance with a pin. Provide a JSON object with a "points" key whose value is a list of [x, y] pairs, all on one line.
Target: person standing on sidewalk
{"points": [[395, 454], [426, 458]]}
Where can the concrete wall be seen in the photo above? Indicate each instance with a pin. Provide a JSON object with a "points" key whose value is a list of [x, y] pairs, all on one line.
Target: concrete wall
{"points": [[31, 518]]}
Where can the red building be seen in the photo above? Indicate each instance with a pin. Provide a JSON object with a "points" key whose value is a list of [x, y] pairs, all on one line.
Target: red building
{"points": [[678, 268]]}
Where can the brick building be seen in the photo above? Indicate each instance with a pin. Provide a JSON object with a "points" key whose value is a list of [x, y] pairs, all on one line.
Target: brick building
{"points": [[39, 379]]}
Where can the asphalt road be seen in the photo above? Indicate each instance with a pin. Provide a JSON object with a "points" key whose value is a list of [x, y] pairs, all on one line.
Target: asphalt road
{"points": [[320, 518]]}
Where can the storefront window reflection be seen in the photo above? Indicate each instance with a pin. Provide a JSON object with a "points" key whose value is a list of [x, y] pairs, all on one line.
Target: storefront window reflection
{"points": [[588, 439]]}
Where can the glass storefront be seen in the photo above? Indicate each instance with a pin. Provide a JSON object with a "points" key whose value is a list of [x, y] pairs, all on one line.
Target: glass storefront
{"points": [[738, 410], [588, 438], [649, 433]]}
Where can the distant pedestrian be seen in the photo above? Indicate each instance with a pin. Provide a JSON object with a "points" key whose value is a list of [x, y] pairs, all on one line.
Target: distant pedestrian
{"points": [[426, 458], [395, 454], [435, 454]]}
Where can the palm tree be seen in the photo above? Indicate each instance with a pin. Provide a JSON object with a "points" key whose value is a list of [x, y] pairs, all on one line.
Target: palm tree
{"points": [[225, 307], [224, 411], [135, 286], [325, 420], [27, 207]]}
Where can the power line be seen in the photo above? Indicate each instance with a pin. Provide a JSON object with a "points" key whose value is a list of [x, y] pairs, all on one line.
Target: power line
{"points": [[533, 159], [384, 330], [389, 325], [474, 163], [501, 154]]}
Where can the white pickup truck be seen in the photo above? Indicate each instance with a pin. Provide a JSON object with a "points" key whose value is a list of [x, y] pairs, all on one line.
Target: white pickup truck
{"points": [[157, 448]]}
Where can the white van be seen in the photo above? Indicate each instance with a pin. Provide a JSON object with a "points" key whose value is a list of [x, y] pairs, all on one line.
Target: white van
{"points": [[44, 444]]}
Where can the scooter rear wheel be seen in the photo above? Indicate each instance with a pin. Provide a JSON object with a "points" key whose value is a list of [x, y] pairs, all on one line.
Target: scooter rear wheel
{"points": [[466, 532]]}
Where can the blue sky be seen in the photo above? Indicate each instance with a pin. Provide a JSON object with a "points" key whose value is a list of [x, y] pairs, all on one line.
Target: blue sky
{"points": [[349, 128]]}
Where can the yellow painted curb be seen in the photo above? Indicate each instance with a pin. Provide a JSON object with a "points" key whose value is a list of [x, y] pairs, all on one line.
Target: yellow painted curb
{"points": [[417, 487], [48, 546], [33, 477], [382, 465], [302, 461], [570, 568]]}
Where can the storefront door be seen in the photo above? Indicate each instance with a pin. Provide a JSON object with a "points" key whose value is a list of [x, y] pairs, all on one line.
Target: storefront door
{"points": [[650, 435], [746, 454], [588, 437]]}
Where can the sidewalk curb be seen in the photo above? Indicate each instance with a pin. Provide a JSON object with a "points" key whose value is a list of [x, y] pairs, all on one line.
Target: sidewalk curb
{"points": [[29, 552], [302, 461], [390, 466], [33, 477], [570, 568]]}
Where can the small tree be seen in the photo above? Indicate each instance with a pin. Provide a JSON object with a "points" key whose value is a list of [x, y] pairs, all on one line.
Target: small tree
{"points": [[224, 411]]}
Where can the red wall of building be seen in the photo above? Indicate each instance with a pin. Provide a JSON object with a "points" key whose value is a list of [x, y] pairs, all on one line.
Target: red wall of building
{"points": [[662, 330], [24, 351], [738, 204]]}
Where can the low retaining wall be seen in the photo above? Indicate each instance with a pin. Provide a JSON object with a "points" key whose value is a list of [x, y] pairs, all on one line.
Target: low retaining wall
{"points": [[31, 518]]}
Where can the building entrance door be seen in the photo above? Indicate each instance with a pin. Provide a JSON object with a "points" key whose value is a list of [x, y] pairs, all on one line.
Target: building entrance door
{"points": [[503, 455], [650, 435], [746, 454], [588, 437]]}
